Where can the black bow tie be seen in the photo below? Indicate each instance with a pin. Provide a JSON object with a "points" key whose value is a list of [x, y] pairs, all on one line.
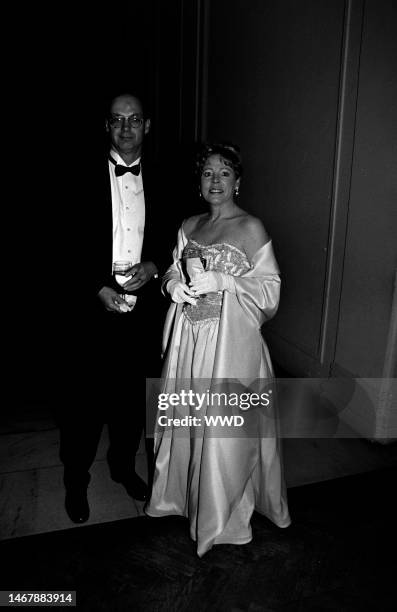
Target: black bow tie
{"points": [[121, 170]]}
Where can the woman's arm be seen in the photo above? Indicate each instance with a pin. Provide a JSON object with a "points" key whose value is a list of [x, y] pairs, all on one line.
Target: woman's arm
{"points": [[175, 270], [174, 282]]}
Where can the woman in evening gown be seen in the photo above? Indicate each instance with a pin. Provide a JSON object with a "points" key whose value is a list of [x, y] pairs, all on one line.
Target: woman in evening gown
{"points": [[212, 334]]}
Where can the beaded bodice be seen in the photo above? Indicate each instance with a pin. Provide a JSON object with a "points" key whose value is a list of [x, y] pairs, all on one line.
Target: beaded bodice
{"points": [[219, 257]]}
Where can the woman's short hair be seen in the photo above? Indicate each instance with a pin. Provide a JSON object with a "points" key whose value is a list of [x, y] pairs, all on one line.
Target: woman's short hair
{"points": [[226, 150]]}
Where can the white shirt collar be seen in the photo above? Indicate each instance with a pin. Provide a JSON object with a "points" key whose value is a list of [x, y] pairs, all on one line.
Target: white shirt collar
{"points": [[120, 161]]}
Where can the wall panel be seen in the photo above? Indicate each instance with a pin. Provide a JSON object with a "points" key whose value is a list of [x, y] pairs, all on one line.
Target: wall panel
{"points": [[371, 245]]}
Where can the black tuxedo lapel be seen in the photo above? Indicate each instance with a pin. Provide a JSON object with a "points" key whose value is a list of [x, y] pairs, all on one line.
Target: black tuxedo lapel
{"points": [[102, 229], [149, 245], [161, 222]]}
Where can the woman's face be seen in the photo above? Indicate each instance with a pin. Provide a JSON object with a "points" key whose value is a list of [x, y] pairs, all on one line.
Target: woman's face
{"points": [[218, 180]]}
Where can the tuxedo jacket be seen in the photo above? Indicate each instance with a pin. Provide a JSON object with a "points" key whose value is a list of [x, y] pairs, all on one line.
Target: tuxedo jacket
{"points": [[63, 325], [89, 332], [68, 252]]}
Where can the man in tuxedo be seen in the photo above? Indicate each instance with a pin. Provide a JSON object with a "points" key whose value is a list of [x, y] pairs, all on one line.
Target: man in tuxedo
{"points": [[120, 327]]}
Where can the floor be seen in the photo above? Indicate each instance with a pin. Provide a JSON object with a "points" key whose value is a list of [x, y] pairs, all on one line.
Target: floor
{"points": [[32, 493], [338, 554]]}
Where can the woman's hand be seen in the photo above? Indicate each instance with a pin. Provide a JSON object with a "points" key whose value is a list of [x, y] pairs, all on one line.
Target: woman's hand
{"points": [[180, 292], [209, 282]]}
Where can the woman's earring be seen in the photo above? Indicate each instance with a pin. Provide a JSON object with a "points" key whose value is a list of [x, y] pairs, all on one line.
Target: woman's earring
{"points": [[236, 191]]}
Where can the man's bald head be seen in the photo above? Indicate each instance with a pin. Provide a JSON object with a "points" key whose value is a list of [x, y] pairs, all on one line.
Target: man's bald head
{"points": [[127, 126], [126, 100]]}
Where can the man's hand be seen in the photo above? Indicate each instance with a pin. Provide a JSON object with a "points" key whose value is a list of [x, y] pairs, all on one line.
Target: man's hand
{"points": [[141, 273], [112, 301]]}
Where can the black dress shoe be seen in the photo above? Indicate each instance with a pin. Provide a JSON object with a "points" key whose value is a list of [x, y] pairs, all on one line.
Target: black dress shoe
{"points": [[76, 505], [135, 486]]}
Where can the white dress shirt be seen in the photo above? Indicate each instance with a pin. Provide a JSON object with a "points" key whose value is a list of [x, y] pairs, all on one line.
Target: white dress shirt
{"points": [[128, 206]]}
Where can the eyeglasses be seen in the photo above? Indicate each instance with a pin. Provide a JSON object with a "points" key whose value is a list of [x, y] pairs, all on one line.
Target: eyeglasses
{"points": [[134, 121]]}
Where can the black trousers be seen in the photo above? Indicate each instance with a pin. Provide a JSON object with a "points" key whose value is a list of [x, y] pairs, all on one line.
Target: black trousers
{"points": [[105, 384], [79, 439]]}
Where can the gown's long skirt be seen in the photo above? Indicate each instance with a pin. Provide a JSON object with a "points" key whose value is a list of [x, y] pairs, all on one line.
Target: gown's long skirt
{"points": [[216, 482]]}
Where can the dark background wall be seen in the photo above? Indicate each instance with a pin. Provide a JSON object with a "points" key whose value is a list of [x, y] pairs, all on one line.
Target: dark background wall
{"points": [[371, 232], [64, 64], [273, 87]]}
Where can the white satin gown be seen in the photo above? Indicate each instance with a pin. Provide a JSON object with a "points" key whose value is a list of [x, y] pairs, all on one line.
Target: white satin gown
{"points": [[217, 482]]}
